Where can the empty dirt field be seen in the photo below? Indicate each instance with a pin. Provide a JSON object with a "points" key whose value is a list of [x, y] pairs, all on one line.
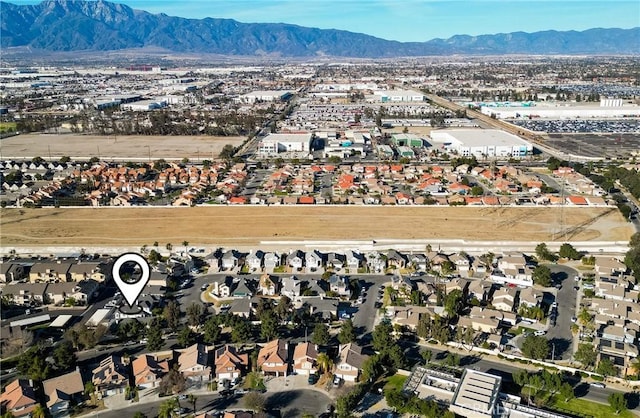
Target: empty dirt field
{"points": [[248, 225], [116, 147]]}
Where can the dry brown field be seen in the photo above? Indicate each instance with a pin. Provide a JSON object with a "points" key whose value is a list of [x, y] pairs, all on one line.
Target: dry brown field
{"points": [[248, 225], [116, 147]]}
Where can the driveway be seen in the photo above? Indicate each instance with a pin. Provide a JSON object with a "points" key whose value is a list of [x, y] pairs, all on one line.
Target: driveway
{"points": [[560, 334]]}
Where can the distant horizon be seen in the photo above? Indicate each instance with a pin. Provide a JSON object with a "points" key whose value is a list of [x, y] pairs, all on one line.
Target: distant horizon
{"points": [[407, 20]]}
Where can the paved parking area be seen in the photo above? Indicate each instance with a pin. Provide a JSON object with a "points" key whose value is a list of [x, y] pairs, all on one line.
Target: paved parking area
{"points": [[597, 145]]}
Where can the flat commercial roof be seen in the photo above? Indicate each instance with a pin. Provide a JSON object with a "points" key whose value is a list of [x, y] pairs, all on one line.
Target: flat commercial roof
{"points": [[482, 137], [477, 391], [298, 137]]}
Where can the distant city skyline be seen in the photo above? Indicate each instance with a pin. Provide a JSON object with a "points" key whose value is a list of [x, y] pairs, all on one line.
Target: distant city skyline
{"points": [[408, 20]]}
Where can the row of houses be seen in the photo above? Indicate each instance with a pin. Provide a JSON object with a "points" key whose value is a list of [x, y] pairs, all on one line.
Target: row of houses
{"points": [[57, 270]]}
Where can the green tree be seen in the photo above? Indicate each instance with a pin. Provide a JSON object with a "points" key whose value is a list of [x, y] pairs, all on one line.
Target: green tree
{"points": [[606, 368], [617, 402], [38, 412], [426, 356], [347, 332], [566, 392], [186, 337], [542, 275], [586, 354], [227, 152], [567, 251], [167, 407], [453, 303], [269, 325], [241, 331], [211, 331], [535, 347], [543, 253], [382, 336], [32, 363], [477, 190], [89, 388], [65, 356], [284, 308], [325, 364], [320, 335], [194, 314], [192, 400], [255, 401], [171, 314], [154, 336], [452, 359]]}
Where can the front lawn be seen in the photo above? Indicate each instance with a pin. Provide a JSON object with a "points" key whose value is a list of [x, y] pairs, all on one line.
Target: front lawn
{"points": [[588, 408], [395, 382]]}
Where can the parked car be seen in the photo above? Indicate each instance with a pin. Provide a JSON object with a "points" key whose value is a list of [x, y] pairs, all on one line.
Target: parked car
{"points": [[204, 287], [540, 333], [574, 319], [598, 385], [337, 381], [313, 379]]}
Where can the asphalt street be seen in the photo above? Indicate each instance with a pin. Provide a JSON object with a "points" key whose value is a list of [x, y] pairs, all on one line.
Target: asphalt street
{"points": [[559, 335]]}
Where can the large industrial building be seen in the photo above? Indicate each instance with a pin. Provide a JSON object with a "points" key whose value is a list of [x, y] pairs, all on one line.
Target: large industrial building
{"points": [[386, 96], [477, 395], [609, 108], [265, 96], [482, 143], [273, 144]]}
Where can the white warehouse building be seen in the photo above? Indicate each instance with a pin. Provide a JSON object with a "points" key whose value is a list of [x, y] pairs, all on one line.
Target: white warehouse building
{"points": [[386, 96], [483, 143], [274, 144], [264, 96]]}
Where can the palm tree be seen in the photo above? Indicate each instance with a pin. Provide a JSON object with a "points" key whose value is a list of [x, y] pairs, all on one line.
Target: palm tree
{"points": [[324, 363], [39, 412], [635, 366], [192, 398], [167, 408]]}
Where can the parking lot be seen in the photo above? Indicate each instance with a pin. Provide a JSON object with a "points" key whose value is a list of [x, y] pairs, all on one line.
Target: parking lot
{"points": [[596, 145], [580, 125]]}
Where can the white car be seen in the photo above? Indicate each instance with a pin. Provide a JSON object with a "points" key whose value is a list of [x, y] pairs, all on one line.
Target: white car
{"points": [[598, 385], [539, 333]]}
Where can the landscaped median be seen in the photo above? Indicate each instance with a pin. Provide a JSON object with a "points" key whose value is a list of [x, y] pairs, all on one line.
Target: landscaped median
{"points": [[583, 407]]}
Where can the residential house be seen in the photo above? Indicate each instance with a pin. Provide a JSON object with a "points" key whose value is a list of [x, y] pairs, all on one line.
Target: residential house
{"points": [[273, 358], [336, 260], [608, 266], [81, 292], [241, 307], [148, 371], [340, 285], [87, 270], [243, 288], [231, 260], [26, 293], [324, 309], [313, 261], [504, 299], [110, 377], [254, 261], [350, 361], [462, 263], [194, 363], [396, 260], [354, 261], [268, 285], [62, 392], [229, 363], [50, 271], [479, 289], [12, 272], [304, 359], [271, 261], [419, 262], [529, 297], [291, 287], [376, 262], [19, 398], [296, 260], [484, 320], [221, 287]]}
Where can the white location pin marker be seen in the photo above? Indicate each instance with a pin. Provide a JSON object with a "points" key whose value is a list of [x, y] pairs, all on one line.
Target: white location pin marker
{"points": [[132, 288]]}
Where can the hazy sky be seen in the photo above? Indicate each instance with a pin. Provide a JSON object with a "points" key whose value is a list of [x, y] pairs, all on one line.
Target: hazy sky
{"points": [[409, 20]]}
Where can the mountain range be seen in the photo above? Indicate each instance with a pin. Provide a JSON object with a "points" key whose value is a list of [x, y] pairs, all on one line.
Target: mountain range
{"points": [[77, 25]]}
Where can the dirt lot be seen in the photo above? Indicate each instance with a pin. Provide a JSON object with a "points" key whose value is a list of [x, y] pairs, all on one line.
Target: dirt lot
{"points": [[118, 147], [224, 225]]}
